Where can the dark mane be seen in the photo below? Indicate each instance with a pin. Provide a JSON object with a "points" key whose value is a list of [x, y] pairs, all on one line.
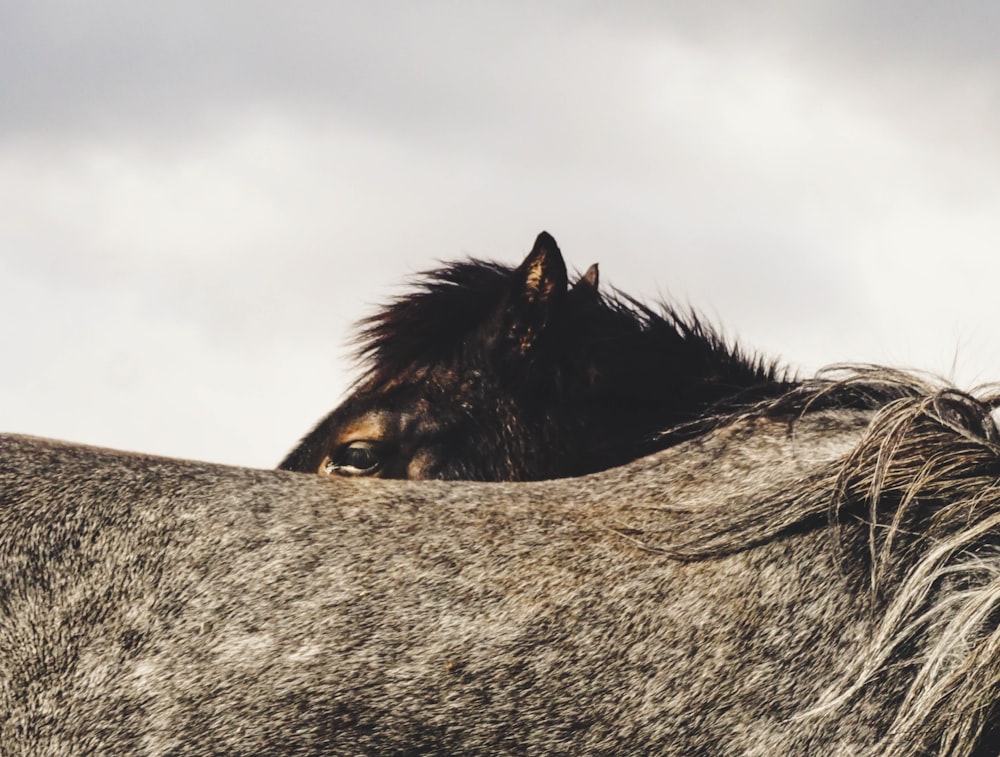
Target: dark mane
{"points": [[488, 372], [440, 316], [429, 323]]}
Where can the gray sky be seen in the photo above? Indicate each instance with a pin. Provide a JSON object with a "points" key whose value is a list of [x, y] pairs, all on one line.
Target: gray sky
{"points": [[200, 198]]}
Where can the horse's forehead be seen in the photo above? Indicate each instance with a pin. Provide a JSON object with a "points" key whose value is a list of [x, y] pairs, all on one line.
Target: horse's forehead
{"points": [[416, 377], [368, 425]]}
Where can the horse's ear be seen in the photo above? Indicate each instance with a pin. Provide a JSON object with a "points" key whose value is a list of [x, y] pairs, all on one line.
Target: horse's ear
{"points": [[538, 286], [541, 277], [590, 279]]}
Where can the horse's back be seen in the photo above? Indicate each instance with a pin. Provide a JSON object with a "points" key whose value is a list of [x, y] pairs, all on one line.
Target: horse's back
{"points": [[158, 606]]}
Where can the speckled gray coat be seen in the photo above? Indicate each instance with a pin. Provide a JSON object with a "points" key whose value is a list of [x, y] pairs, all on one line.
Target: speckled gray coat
{"points": [[152, 606]]}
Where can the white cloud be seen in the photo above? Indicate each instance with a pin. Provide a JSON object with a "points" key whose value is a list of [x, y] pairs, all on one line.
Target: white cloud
{"points": [[199, 201]]}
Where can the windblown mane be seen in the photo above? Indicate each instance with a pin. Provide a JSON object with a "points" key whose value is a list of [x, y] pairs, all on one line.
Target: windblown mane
{"points": [[483, 371], [429, 324], [446, 308], [925, 479]]}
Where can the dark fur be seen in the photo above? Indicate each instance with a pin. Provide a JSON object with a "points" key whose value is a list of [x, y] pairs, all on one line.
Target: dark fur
{"points": [[485, 372], [785, 584]]}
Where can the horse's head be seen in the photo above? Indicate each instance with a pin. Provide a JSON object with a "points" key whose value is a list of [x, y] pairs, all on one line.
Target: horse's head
{"points": [[493, 373]]}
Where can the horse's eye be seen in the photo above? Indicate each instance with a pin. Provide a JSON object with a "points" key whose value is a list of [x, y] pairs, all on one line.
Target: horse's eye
{"points": [[358, 458]]}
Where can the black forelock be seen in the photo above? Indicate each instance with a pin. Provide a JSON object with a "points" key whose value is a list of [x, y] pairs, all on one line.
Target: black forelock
{"points": [[430, 323]]}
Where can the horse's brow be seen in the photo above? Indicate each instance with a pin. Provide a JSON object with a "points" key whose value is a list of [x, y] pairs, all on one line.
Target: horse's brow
{"points": [[372, 424]]}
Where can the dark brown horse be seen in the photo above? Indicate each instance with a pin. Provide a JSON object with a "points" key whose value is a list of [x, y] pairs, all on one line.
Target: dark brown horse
{"points": [[491, 373], [825, 583]]}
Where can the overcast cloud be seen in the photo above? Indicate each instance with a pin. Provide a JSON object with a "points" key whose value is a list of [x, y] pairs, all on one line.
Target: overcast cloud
{"points": [[200, 198]]}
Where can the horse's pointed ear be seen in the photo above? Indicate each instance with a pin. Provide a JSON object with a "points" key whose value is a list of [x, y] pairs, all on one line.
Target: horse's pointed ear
{"points": [[542, 276], [538, 285], [591, 278]]}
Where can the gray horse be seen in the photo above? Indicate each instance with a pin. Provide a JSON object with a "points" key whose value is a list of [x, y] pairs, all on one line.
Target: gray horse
{"points": [[789, 583]]}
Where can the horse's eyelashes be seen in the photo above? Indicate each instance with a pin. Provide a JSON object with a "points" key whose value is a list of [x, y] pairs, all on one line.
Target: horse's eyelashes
{"points": [[357, 458]]}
